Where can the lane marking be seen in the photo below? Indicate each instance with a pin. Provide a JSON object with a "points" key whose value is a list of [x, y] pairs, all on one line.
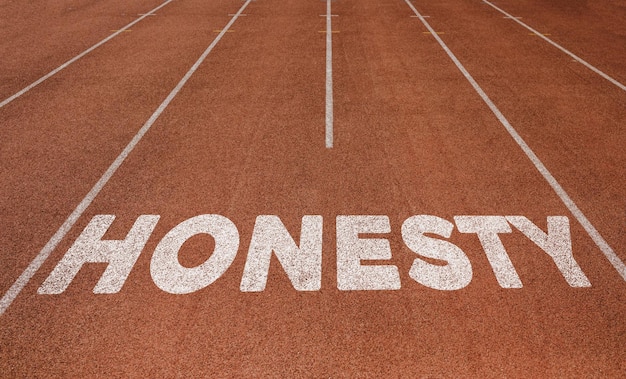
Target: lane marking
{"points": [[64, 65], [511, 17], [540, 34], [223, 31], [146, 14], [418, 17], [32, 268], [241, 15], [122, 31], [576, 57], [569, 203], [332, 31], [435, 33], [329, 77]]}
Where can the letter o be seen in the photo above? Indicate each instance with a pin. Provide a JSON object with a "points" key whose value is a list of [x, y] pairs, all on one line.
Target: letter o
{"points": [[167, 272]]}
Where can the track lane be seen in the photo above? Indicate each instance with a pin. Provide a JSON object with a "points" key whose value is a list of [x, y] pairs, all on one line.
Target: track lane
{"points": [[594, 29], [248, 139], [570, 116], [39, 37], [459, 166], [57, 142], [213, 98]]}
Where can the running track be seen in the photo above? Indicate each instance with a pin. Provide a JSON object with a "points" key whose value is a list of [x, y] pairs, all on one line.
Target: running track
{"points": [[247, 134]]}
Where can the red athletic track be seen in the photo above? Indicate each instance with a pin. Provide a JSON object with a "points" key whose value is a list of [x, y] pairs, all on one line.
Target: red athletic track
{"points": [[245, 137]]}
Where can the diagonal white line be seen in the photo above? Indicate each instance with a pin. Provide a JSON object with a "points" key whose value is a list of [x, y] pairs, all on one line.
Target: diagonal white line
{"points": [[569, 203], [64, 65], [329, 78], [574, 56], [25, 277]]}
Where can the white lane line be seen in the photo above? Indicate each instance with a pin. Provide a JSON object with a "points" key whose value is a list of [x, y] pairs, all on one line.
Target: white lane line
{"points": [[32, 268], [64, 65], [329, 77], [576, 57], [569, 203]]}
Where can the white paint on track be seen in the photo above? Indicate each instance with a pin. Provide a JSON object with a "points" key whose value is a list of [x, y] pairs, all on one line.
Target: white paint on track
{"points": [[32, 268], [569, 203], [64, 65], [329, 77], [551, 42]]}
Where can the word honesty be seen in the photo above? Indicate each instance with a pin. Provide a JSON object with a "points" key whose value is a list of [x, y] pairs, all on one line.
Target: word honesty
{"points": [[425, 235]]}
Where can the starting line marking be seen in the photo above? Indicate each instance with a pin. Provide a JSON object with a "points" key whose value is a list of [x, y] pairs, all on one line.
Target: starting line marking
{"points": [[36, 263], [329, 78], [567, 201], [64, 65], [576, 57]]}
